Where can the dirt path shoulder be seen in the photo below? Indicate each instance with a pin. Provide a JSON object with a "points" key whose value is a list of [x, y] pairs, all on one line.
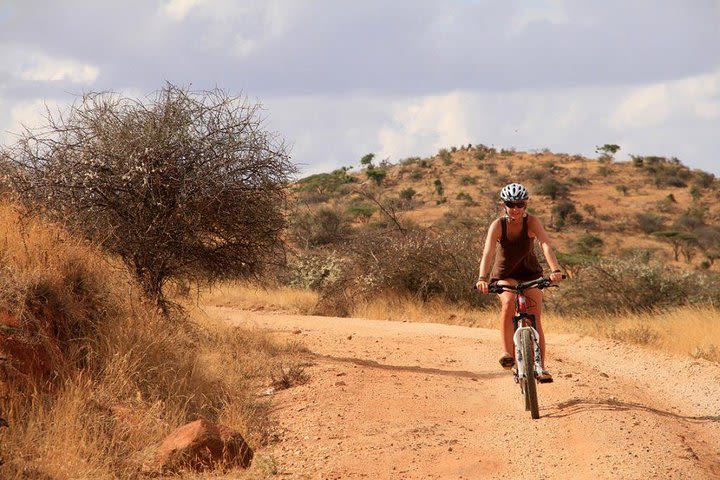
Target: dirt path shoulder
{"points": [[427, 401]]}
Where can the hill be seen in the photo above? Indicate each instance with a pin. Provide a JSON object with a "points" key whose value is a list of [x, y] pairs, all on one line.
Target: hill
{"points": [[590, 206]]}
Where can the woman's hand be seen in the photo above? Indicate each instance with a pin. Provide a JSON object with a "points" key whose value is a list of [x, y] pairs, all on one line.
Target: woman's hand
{"points": [[482, 286], [555, 277]]}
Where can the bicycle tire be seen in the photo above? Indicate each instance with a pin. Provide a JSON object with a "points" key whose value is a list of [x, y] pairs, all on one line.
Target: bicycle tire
{"points": [[530, 390]]}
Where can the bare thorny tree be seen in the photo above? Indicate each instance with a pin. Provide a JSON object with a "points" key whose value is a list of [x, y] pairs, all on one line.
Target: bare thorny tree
{"points": [[185, 185]]}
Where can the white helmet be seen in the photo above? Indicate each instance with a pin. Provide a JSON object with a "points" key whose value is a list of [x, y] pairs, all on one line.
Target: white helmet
{"points": [[514, 193]]}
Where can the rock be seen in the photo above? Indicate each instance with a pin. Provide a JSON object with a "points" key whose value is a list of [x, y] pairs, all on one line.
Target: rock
{"points": [[202, 445], [236, 451]]}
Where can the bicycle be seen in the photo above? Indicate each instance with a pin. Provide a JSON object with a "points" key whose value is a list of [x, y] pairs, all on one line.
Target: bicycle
{"points": [[526, 340]]}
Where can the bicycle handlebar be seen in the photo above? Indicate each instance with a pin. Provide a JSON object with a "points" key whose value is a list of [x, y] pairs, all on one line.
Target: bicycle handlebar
{"points": [[540, 283]]}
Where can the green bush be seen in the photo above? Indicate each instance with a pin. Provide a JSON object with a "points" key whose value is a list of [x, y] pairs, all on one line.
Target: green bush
{"points": [[552, 188], [416, 175], [361, 211], [376, 175], [588, 244], [407, 194]]}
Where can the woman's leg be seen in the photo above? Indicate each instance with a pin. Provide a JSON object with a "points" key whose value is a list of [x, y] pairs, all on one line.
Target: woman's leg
{"points": [[507, 312], [534, 306]]}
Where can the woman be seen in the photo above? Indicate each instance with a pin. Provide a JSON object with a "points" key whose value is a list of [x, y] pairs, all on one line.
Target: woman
{"points": [[513, 236]]}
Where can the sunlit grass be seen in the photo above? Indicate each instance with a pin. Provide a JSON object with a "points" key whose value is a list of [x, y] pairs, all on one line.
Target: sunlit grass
{"points": [[248, 296], [127, 375]]}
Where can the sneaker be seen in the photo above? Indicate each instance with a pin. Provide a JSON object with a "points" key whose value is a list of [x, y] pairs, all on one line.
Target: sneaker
{"points": [[507, 361], [545, 377]]}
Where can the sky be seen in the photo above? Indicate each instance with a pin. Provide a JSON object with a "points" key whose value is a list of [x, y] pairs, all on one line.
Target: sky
{"points": [[340, 79]]}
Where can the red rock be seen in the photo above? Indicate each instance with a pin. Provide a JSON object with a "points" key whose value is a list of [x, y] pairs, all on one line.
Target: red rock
{"points": [[202, 445]]}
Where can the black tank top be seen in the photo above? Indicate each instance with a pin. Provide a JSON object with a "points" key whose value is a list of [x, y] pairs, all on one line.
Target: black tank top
{"points": [[516, 258]]}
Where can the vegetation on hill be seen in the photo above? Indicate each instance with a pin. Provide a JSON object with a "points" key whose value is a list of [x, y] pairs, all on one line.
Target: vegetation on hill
{"points": [[651, 225]]}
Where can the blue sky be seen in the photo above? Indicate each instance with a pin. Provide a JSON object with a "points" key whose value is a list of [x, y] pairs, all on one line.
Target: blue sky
{"points": [[339, 79]]}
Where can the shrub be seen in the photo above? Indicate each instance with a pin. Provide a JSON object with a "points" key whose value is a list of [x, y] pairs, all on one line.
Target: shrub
{"points": [[186, 186], [361, 211], [468, 180], [444, 155], [438, 186], [633, 285], [376, 175], [407, 194], [416, 175], [552, 188], [578, 180], [410, 161], [588, 244], [466, 197], [562, 210], [703, 179], [650, 222], [324, 227], [425, 264]]}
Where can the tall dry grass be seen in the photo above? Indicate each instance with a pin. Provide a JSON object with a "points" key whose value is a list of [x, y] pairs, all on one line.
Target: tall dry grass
{"points": [[131, 375], [249, 296]]}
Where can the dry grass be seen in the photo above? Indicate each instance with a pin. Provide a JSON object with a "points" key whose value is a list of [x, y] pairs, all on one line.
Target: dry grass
{"points": [[693, 331], [130, 375], [253, 297]]}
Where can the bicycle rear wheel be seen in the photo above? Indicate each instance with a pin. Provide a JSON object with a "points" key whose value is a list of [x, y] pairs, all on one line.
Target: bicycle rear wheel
{"points": [[530, 386]]}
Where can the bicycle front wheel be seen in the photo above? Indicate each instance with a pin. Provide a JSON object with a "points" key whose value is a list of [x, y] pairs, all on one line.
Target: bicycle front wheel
{"points": [[530, 390]]}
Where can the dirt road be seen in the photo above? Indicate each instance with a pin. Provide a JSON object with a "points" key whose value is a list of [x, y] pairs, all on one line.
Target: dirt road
{"points": [[427, 401]]}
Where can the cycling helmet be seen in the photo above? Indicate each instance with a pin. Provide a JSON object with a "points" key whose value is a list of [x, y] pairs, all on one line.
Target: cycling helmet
{"points": [[514, 192]]}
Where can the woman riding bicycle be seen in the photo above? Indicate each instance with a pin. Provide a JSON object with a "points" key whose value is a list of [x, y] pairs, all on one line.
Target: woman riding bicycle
{"points": [[511, 239]]}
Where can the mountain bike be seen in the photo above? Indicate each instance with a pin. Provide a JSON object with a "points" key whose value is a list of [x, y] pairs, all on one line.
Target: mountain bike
{"points": [[528, 360]]}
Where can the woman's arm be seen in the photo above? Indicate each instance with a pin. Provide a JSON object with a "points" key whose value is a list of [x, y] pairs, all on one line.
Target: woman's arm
{"points": [[493, 235], [536, 230]]}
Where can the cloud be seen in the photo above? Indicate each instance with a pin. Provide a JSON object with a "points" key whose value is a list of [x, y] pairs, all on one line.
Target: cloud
{"points": [[38, 66], [645, 107], [697, 96], [551, 11], [439, 120], [179, 9]]}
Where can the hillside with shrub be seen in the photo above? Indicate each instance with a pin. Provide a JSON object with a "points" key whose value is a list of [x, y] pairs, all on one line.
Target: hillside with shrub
{"points": [[416, 228]]}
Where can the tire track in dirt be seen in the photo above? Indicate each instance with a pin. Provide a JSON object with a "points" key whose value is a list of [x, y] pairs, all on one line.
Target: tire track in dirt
{"points": [[411, 400]]}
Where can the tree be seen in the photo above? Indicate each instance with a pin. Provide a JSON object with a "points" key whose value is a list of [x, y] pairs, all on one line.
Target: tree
{"points": [[709, 242], [607, 151], [675, 238], [186, 185], [366, 160]]}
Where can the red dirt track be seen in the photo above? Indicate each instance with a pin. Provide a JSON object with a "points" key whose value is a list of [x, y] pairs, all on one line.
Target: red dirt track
{"points": [[428, 401]]}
